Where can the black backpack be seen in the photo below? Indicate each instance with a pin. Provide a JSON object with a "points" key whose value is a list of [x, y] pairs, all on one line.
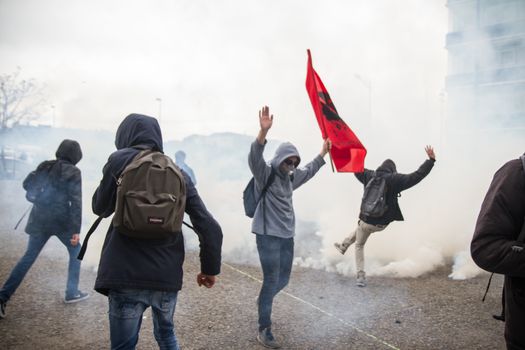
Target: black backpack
{"points": [[248, 195], [41, 185], [373, 203]]}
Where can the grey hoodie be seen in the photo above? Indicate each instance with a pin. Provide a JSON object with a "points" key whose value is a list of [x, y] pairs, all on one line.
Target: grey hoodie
{"points": [[280, 216]]}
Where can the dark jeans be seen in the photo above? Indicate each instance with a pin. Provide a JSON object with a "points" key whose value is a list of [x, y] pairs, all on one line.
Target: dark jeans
{"points": [[276, 256], [34, 247], [126, 309]]}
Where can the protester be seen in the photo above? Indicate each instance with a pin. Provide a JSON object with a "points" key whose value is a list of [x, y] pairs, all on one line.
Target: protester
{"points": [[495, 245], [366, 225], [60, 215], [137, 273], [180, 160], [274, 219]]}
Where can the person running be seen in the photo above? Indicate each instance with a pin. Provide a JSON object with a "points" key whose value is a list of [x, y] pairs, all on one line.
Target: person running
{"points": [[366, 225], [274, 220]]}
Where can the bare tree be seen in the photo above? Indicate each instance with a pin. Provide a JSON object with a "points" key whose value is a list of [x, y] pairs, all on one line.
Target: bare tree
{"points": [[19, 99]]}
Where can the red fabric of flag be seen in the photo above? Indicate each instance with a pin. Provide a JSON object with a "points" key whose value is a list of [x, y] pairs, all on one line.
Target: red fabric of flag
{"points": [[348, 153]]}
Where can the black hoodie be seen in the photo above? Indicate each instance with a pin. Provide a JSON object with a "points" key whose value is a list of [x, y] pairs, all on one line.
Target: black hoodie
{"points": [[64, 216], [130, 263], [395, 183]]}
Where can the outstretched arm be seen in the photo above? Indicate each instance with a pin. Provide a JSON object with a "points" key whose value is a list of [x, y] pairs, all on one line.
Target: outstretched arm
{"points": [[405, 181]]}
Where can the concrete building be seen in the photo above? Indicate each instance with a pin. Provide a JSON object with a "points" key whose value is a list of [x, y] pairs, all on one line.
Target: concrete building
{"points": [[486, 66]]}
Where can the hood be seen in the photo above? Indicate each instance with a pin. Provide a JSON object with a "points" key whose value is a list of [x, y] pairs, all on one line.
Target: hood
{"points": [[69, 150], [388, 166], [138, 129], [285, 150]]}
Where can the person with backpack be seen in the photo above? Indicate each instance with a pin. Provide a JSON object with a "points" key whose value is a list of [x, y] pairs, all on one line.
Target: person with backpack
{"points": [[274, 218], [55, 189], [141, 260], [379, 205], [498, 243]]}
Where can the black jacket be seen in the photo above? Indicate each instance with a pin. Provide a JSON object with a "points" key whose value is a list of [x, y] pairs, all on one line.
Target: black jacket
{"points": [[395, 183], [64, 216], [148, 264], [498, 226]]}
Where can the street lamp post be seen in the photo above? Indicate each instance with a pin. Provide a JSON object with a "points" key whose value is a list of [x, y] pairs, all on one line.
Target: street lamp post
{"points": [[53, 121], [159, 100]]}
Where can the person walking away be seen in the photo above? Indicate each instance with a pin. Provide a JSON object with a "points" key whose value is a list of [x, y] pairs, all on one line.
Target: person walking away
{"points": [[374, 221], [274, 219], [497, 244], [180, 160], [137, 273], [56, 211]]}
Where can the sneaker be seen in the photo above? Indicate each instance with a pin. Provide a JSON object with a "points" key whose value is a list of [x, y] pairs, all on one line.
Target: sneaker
{"points": [[265, 337], [361, 279], [340, 248], [2, 309], [76, 298]]}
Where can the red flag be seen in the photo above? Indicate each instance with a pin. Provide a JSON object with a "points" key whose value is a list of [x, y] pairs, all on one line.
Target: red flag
{"points": [[348, 153]]}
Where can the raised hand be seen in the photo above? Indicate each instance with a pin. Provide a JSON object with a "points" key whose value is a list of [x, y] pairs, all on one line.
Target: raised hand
{"points": [[430, 152], [265, 119]]}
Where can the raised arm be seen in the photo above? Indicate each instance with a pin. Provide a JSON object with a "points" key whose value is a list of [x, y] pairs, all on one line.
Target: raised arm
{"points": [[260, 170]]}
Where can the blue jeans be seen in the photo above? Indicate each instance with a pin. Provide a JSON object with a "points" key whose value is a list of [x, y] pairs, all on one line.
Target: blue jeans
{"points": [[276, 256], [126, 307], [34, 247]]}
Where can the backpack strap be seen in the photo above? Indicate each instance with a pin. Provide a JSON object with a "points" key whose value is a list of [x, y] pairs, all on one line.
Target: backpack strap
{"points": [[85, 243]]}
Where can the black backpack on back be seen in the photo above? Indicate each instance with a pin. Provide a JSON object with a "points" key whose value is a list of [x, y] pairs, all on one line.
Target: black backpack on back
{"points": [[41, 185], [373, 203]]}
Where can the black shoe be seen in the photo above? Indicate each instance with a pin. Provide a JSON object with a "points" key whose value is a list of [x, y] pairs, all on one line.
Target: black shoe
{"points": [[76, 298], [2, 309], [499, 317]]}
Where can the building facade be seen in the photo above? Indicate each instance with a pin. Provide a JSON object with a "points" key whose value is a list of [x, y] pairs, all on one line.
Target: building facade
{"points": [[486, 66]]}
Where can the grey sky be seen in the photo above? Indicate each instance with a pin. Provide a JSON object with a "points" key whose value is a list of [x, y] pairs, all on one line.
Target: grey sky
{"points": [[214, 63]]}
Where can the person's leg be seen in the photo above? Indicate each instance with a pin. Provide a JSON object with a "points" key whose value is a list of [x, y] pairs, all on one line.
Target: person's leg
{"points": [[364, 231], [126, 307], [73, 271], [347, 242], [269, 255], [34, 246], [286, 263], [163, 307]]}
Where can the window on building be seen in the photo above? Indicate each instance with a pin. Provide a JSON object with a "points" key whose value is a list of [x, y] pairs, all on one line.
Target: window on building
{"points": [[498, 11]]}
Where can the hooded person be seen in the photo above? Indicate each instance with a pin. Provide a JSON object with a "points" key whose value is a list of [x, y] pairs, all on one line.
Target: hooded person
{"points": [[137, 273], [180, 160], [274, 219], [366, 225], [56, 211]]}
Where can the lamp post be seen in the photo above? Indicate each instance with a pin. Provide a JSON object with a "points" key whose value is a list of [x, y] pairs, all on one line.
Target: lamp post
{"points": [[159, 100], [53, 120], [367, 83]]}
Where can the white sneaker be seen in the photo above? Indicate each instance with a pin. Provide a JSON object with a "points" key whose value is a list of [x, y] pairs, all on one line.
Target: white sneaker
{"points": [[340, 248], [361, 279]]}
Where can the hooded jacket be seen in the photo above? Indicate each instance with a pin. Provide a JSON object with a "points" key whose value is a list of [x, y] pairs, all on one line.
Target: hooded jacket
{"points": [[278, 204], [64, 216], [395, 183], [155, 264], [499, 224]]}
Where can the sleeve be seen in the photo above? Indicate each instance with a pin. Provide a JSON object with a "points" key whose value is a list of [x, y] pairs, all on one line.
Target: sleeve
{"points": [[405, 181], [499, 223], [302, 175], [362, 177], [207, 229], [260, 170], [75, 197], [105, 196]]}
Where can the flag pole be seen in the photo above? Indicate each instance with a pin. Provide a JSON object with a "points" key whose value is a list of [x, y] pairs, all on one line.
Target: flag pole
{"points": [[322, 119]]}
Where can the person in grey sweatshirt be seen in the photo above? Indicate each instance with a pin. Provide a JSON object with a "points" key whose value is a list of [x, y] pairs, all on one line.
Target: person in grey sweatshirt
{"points": [[274, 219]]}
